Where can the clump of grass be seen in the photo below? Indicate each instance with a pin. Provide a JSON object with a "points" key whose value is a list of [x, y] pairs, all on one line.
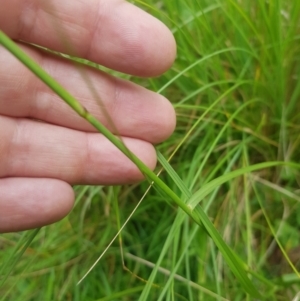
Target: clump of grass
{"points": [[235, 86]]}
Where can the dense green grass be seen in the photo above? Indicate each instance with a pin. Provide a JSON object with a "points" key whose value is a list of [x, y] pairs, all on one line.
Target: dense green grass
{"points": [[243, 57]]}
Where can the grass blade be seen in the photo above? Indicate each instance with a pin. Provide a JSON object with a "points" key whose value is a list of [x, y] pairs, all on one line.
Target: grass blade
{"points": [[233, 262]]}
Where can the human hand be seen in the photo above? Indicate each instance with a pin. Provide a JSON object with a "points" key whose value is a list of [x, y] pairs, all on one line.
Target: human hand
{"points": [[45, 147]]}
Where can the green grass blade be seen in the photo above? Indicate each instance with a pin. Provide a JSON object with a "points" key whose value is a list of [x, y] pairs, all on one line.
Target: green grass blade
{"points": [[172, 173], [232, 49], [17, 255], [228, 254], [274, 233], [209, 187]]}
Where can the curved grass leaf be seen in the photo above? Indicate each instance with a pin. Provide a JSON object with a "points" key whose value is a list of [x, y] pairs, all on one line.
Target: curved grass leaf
{"points": [[209, 187]]}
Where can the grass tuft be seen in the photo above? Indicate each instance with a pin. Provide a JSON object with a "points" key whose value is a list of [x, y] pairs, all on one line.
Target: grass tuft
{"points": [[232, 165]]}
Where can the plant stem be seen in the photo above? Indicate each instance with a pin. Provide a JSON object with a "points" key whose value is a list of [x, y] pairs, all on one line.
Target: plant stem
{"points": [[81, 111]]}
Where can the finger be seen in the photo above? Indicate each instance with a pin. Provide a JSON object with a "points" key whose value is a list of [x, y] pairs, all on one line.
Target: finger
{"points": [[113, 33], [36, 149], [30, 203], [134, 111]]}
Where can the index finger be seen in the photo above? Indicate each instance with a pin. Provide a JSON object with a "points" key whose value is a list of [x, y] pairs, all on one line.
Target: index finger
{"points": [[113, 33]]}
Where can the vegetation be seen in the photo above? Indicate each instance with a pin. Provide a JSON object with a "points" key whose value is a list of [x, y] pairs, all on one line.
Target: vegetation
{"points": [[236, 89]]}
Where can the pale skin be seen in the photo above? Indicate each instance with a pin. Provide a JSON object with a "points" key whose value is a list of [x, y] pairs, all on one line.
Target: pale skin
{"points": [[45, 147]]}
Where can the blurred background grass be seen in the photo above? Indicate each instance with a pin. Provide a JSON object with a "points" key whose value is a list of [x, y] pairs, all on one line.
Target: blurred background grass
{"points": [[244, 53]]}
